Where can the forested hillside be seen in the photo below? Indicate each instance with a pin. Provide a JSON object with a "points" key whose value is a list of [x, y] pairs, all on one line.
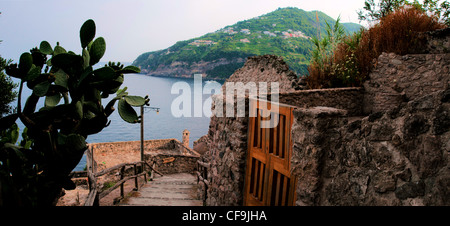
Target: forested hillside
{"points": [[285, 32]]}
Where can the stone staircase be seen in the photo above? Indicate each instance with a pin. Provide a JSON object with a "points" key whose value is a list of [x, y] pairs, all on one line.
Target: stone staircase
{"points": [[168, 190]]}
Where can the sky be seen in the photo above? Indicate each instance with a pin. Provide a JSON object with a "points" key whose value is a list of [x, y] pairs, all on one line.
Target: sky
{"points": [[132, 27]]}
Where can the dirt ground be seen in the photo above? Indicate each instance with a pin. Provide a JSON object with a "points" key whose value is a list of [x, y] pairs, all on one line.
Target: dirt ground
{"points": [[78, 196]]}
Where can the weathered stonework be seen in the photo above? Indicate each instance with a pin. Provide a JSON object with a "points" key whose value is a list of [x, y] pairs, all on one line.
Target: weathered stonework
{"points": [[435, 42], [173, 163], [385, 144], [109, 154], [397, 79], [266, 68], [349, 99], [389, 158], [227, 148]]}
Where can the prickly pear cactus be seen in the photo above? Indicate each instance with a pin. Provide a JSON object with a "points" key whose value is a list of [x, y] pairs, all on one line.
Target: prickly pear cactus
{"points": [[73, 110]]}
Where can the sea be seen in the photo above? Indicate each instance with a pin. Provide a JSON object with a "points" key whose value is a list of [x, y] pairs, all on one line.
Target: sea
{"points": [[159, 122]]}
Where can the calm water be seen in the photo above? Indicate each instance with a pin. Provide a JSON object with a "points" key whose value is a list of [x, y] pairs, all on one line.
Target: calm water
{"points": [[160, 125]]}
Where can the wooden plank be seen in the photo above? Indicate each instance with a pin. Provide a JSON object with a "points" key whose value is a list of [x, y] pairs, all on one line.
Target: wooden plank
{"points": [[277, 191], [292, 193], [90, 200], [116, 167], [258, 134], [285, 191], [257, 178], [253, 179], [122, 172], [282, 135], [261, 182], [136, 183]]}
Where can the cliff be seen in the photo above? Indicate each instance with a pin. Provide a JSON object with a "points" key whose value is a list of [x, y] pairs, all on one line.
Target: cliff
{"points": [[187, 70]]}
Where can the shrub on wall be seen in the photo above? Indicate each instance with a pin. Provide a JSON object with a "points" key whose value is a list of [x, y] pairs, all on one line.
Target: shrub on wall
{"points": [[354, 57]]}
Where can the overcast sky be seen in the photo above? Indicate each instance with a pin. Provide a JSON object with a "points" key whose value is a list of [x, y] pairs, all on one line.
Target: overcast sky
{"points": [[132, 27]]}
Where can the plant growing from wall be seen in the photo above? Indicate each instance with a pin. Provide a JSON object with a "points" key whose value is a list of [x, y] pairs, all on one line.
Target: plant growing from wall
{"points": [[321, 67], [349, 62], [33, 173]]}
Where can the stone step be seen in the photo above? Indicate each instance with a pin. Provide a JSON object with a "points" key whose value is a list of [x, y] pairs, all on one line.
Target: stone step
{"points": [[162, 202], [158, 183], [165, 195], [169, 190]]}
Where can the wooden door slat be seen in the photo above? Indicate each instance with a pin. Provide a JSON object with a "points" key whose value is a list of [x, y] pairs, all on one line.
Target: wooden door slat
{"points": [[268, 180]]}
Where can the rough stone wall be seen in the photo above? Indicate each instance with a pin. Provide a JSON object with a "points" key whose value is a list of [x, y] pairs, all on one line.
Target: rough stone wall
{"points": [[172, 163], [397, 157], [226, 141], [227, 137], [385, 145], [398, 79], [109, 154], [349, 99], [266, 68], [398, 154], [134, 146], [227, 149], [435, 42]]}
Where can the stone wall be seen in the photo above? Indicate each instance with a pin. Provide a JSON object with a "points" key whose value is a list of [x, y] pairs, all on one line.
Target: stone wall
{"points": [[227, 137], [435, 42], [172, 163], [266, 68], [227, 148], [386, 144], [398, 79], [397, 157], [109, 154], [349, 99], [134, 146], [398, 154]]}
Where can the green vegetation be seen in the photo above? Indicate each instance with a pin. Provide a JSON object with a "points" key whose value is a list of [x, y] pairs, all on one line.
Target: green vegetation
{"points": [[350, 61], [7, 93], [285, 32], [54, 140], [374, 11]]}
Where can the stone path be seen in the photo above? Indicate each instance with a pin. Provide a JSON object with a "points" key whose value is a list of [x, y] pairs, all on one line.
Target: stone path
{"points": [[169, 190]]}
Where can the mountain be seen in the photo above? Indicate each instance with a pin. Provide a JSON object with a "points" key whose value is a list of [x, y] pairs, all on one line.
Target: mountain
{"points": [[284, 32]]}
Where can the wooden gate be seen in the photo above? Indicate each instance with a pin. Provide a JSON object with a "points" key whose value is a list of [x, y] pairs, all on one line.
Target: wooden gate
{"points": [[268, 181]]}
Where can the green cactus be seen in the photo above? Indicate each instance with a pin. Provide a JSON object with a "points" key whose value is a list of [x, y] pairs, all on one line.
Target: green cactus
{"points": [[73, 110]]}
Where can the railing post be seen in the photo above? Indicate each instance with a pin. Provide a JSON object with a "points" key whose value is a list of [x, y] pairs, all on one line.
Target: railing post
{"points": [[143, 170], [136, 184], [152, 173], [122, 169]]}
